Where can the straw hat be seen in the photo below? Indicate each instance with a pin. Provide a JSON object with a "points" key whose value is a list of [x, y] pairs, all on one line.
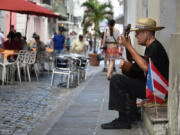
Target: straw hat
{"points": [[147, 24]]}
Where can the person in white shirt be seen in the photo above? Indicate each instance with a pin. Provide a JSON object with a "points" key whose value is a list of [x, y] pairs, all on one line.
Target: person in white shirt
{"points": [[79, 46], [110, 39]]}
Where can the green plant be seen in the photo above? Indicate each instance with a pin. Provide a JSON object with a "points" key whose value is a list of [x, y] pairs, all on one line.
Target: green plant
{"points": [[95, 13], [120, 2]]}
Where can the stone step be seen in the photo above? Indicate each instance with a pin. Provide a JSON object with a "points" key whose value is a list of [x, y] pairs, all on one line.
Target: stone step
{"points": [[155, 123]]}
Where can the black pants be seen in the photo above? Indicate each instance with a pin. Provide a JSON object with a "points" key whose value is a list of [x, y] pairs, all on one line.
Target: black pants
{"points": [[124, 90], [68, 48]]}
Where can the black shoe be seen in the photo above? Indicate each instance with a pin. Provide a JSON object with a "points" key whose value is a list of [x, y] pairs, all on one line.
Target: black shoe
{"points": [[135, 118], [116, 124]]}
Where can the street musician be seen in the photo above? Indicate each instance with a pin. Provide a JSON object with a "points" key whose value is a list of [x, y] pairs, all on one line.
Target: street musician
{"points": [[124, 89]]}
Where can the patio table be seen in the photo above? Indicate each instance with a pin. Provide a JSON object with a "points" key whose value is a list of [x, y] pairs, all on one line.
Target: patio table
{"points": [[7, 53], [49, 50], [4, 61]]}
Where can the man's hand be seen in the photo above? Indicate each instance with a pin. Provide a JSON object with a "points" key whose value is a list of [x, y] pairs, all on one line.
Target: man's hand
{"points": [[121, 63], [123, 41]]}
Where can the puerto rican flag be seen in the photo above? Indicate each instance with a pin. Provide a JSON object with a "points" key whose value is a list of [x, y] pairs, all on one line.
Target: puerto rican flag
{"points": [[156, 85]]}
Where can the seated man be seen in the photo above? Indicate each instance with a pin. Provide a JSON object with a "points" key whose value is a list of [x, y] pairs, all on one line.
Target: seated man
{"points": [[39, 45], [41, 51], [14, 43], [125, 89]]}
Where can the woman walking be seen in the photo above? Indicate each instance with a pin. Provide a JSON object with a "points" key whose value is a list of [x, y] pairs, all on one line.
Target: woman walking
{"points": [[111, 40]]}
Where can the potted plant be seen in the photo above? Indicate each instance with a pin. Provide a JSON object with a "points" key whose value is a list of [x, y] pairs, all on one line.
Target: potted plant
{"points": [[94, 14]]}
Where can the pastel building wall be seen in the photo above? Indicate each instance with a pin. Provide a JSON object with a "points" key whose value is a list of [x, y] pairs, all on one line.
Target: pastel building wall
{"points": [[39, 24]]}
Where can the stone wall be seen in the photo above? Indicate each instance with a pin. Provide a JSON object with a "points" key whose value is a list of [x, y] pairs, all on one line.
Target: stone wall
{"points": [[174, 86], [174, 79]]}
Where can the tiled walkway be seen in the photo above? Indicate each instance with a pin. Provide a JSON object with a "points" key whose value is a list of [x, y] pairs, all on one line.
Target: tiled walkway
{"points": [[88, 111]]}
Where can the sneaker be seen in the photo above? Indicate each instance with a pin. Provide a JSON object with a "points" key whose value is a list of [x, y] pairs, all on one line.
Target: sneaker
{"points": [[104, 69], [116, 124]]}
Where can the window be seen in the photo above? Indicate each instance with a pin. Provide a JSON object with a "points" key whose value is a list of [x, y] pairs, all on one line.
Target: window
{"points": [[46, 2]]}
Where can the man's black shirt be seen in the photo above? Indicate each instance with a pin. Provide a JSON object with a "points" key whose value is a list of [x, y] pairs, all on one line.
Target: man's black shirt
{"points": [[158, 55]]}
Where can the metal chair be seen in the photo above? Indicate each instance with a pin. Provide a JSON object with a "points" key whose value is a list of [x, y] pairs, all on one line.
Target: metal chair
{"points": [[65, 65], [82, 67], [21, 61], [32, 62]]}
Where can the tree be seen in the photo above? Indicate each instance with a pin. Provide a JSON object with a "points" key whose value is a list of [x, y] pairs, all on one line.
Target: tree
{"points": [[120, 2], [95, 13]]}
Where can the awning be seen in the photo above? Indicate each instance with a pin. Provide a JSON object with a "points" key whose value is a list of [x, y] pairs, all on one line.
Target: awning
{"points": [[25, 7]]}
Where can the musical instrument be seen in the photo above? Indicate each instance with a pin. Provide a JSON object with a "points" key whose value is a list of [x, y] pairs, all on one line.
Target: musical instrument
{"points": [[130, 68], [127, 64], [126, 34]]}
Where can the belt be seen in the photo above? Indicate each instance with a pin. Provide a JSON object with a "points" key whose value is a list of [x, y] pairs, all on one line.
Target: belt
{"points": [[111, 42]]}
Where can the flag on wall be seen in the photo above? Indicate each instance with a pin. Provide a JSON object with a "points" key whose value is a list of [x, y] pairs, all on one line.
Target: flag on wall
{"points": [[156, 85]]}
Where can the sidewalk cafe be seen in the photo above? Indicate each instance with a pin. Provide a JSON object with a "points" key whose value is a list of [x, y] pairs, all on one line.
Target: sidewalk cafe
{"points": [[71, 67]]}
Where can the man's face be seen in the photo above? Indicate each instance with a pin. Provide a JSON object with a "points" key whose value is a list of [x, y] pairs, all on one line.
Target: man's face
{"points": [[141, 37], [81, 39]]}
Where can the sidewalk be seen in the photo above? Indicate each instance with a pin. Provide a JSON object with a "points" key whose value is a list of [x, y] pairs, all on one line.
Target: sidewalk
{"points": [[88, 110]]}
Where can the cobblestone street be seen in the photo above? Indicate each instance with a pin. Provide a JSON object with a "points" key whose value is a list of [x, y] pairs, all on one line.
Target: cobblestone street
{"points": [[23, 107]]}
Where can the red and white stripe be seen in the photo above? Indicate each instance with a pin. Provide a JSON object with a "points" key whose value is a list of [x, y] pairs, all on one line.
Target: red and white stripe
{"points": [[160, 84]]}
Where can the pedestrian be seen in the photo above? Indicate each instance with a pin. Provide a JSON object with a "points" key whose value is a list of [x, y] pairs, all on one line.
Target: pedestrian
{"points": [[90, 43], [110, 38], [79, 46], [68, 43], [125, 89], [58, 42]]}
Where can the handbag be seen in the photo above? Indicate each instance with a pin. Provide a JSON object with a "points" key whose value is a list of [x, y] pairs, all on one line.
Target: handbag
{"points": [[104, 47], [100, 57]]}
